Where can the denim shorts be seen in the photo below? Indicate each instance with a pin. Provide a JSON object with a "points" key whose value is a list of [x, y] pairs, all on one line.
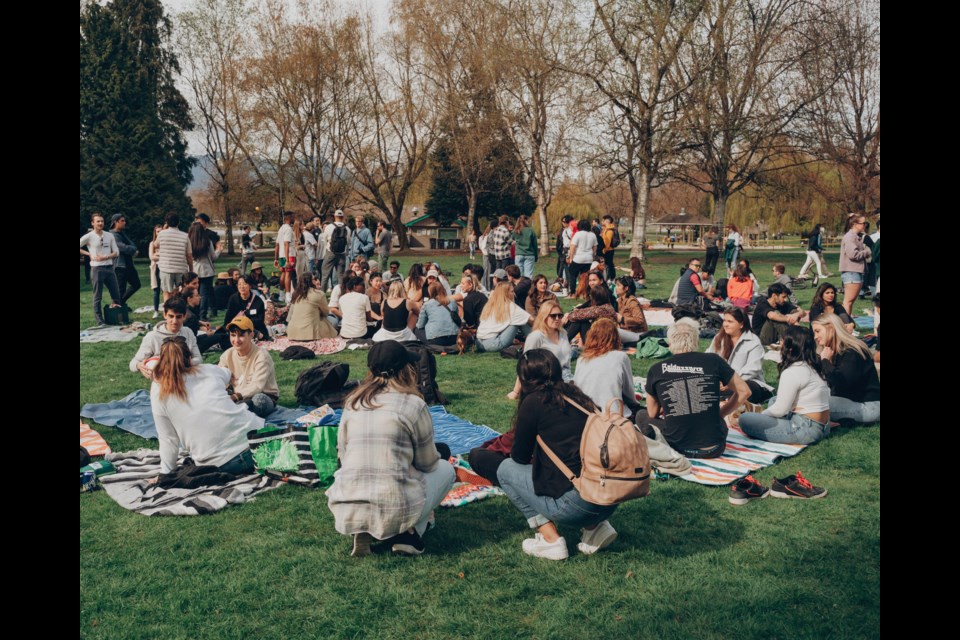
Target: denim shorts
{"points": [[851, 277]]}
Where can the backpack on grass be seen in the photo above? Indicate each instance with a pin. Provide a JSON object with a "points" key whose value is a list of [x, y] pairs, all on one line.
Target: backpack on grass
{"points": [[615, 461]]}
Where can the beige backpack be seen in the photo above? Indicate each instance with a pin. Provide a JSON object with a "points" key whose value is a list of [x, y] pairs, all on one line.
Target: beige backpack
{"points": [[615, 463]]}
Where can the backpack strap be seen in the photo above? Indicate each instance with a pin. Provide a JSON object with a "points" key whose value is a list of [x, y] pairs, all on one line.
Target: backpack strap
{"points": [[564, 469], [578, 406]]}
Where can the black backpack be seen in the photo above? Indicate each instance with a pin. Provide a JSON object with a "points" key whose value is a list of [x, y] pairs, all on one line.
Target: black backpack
{"points": [[615, 240], [325, 383], [338, 239], [297, 352], [426, 366]]}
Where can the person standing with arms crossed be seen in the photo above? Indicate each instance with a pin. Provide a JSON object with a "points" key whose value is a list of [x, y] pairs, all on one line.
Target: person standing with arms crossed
{"points": [[101, 247]]}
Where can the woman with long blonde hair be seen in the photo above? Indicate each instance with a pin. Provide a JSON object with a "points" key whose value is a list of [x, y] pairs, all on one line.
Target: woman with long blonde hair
{"points": [[501, 319], [391, 476], [191, 407], [849, 370], [604, 371], [548, 334]]}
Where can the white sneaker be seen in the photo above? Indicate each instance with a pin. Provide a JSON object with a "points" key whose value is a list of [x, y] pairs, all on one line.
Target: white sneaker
{"points": [[600, 537], [540, 548], [156, 314]]}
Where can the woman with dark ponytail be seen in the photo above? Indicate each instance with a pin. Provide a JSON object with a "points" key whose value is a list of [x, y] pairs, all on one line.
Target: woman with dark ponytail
{"points": [[531, 480], [191, 407], [800, 412]]}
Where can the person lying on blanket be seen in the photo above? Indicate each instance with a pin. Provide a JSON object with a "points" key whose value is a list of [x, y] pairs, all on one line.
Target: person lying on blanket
{"points": [[174, 313], [254, 379], [685, 388], [191, 407]]}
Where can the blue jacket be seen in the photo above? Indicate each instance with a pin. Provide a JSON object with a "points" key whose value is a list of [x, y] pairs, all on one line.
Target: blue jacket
{"points": [[362, 243]]}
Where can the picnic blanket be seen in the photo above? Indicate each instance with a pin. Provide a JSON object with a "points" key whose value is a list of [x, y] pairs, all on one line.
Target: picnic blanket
{"points": [[93, 442], [658, 317], [322, 347], [742, 456], [133, 414], [129, 488], [864, 323], [112, 333], [469, 487]]}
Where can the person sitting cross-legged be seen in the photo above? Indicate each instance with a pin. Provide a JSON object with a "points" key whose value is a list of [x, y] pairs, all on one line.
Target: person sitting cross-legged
{"points": [[254, 377], [774, 314]]}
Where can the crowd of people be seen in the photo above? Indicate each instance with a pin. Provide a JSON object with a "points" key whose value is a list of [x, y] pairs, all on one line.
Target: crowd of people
{"points": [[391, 476]]}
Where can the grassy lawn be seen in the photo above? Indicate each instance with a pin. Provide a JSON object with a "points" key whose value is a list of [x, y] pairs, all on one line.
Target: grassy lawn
{"points": [[686, 564]]}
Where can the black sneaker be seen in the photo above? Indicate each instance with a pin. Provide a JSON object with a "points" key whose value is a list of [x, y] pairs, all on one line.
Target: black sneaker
{"points": [[408, 544], [746, 489], [796, 487], [361, 545]]}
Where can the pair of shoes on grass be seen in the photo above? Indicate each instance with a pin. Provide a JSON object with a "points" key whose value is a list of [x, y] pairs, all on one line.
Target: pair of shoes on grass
{"points": [[591, 541], [795, 486], [407, 544]]}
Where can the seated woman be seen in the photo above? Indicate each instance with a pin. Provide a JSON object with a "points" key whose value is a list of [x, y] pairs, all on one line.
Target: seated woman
{"points": [[740, 288], [850, 372], [800, 414], [500, 320], [825, 301], [471, 300], [245, 302], [548, 334], [587, 281], [355, 310], [742, 350], [391, 477], [604, 371], [223, 288], [539, 293], [436, 324], [397, 316], [599, 304], [534, 484], [414, 282], [377, 297], [307, 317], [636, 272], [630, 313], [191, 408]]}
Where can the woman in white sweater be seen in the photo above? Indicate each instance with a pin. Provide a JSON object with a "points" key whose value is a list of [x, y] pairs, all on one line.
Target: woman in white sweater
{"points": [[743, 351], [191, 408], [800, 412], [603, 371]]}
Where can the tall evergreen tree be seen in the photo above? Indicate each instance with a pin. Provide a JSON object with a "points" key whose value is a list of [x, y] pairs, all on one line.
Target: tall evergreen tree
{"points": [[133, 155]]}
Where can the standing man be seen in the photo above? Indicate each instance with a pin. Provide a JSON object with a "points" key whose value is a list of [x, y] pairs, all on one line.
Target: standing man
{"points": [[128, 280], [336, 241], [247, 249], [361, 246], [709, 242], [175, 256], [254, 380], [204, 221], [500, 244], [101, 247], [384, 242], [563, 248], [610, 241], [285, 254]]}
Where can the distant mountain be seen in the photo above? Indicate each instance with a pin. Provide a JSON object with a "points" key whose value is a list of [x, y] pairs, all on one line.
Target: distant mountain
{"points": [[201, 179]]}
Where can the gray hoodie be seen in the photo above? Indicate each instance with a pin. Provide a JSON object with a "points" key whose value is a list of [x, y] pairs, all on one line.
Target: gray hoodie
{"points": [[152, 341]]}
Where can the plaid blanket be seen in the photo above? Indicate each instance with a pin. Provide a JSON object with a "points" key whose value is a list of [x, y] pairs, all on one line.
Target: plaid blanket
{"points": [[93, 442], [743, 456], [130, 489]]}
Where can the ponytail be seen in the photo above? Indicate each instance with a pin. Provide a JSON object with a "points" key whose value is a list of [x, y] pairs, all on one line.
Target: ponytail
{"points": [[172, 369]]}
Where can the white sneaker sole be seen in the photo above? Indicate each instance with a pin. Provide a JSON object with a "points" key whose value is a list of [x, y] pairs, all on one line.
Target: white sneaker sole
{"points": [[779, 494], [551, 553], [743, 501]]}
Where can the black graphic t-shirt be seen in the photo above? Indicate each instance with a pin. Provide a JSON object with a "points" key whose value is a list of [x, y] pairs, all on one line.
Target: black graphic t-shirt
{"points": [[687, 386]]}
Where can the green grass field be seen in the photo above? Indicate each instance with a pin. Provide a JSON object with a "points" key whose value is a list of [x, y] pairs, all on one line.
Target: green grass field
{"points": [[687, 564]]}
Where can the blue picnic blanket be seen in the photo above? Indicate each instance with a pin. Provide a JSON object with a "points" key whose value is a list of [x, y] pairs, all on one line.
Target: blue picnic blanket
{"points": [[133, 414]]}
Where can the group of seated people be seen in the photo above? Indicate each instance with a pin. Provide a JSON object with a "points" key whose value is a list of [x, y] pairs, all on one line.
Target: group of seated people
{"points": [[392, 477]]}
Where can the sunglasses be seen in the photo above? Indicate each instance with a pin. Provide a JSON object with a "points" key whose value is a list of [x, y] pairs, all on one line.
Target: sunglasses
{"points": [[555, 316]]}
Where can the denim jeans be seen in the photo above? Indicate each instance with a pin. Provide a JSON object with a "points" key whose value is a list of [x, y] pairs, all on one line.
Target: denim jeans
{"points": [[499, 342], [570, 509], [206, 298], [239, 465], [103, 277], [525, 263], [793, 428], [862, 412], [851, 277], [332, 268], [438, 483], [261, 404]]}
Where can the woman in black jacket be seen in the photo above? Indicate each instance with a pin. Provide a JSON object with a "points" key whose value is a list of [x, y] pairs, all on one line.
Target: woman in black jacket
{"points": [[849, 370]]}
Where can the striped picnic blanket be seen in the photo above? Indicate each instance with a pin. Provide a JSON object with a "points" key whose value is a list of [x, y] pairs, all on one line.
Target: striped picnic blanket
{"points": [[93, 442], [469, 487], [129, 488], [742, 456]]}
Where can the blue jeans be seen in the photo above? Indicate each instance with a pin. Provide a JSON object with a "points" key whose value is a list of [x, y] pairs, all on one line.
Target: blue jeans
{"points": [[851, 277], [438, 484], [570, 509], [499, 342], [239, 465], [862, 412], [525, 263], [206, 297], [793, 428]]}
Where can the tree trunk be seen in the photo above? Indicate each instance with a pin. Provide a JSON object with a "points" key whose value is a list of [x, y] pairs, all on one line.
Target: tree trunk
{"points": [[719, 209], [471, 209], [542, 206], [228, 222], [642, 201]]}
